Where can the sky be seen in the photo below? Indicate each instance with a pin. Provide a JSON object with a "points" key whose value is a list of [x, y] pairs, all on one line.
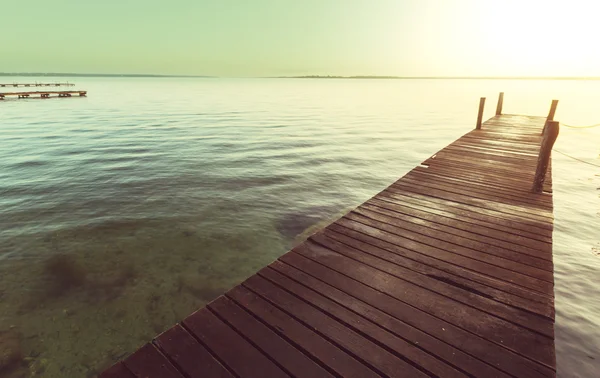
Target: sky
{"points": [[302, 37]]}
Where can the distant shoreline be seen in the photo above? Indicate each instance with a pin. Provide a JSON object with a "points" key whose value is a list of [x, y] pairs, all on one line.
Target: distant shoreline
{"points": [[55, 74], [443, 77]]}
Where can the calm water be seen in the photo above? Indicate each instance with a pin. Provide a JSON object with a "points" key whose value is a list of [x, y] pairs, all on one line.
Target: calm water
{"points": [[123, 212]]}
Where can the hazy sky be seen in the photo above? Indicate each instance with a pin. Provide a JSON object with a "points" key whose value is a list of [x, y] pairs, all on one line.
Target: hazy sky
{"points": [[298, 37]]}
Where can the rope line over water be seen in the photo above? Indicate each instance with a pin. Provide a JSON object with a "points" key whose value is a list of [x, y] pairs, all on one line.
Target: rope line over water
{"points": [[574, 158], [580, 127]]}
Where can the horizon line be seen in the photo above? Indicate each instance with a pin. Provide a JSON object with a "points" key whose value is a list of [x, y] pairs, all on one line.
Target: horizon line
{"points": [[72, 74]]}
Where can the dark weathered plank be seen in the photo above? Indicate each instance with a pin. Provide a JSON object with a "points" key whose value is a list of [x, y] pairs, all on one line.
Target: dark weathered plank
{"points": [[149, 362], [438, 270], [523, 196], [378, 358], [474, 345], [118, 370], [303, 337], [516, 224], [537, 220], [235, 352], [340, 232], [500, 237], [278, 349], [382, 337], [442, 284], [445, 352], [407, 240], [497, 330], [188, 355], [486, 245]]}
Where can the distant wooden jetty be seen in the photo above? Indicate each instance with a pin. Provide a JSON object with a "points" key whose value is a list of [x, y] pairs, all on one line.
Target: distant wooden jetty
{"points": [[43, 94], [37, 85], [448, 272]]}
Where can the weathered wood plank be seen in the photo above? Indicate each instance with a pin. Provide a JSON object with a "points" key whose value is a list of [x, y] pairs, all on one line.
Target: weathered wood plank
{"points": [[149, 362], [377, 358], [238, 354], [437, 269], [278, 349], [361, 325], [470, 343], [445, 352], [188, 355], [300, 335], [118, 370]]}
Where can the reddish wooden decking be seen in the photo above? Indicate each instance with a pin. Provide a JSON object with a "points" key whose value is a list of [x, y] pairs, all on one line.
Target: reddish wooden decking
{"points": [[447, 272], [42, 94], [15, 85]]}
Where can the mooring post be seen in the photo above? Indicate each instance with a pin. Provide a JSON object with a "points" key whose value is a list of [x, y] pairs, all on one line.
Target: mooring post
{"points": [[552, 110], [550, 135], [550, 114], [500, 103], [480, 114]]}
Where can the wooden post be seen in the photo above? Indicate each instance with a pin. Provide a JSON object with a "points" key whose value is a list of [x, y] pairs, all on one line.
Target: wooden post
{"points": [[550, 135], [500, 103], [552, 110], [550, 114], [480, 114]]}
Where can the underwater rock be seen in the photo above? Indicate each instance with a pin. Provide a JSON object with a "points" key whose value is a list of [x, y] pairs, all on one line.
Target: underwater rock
{"points": [[11, 353]]}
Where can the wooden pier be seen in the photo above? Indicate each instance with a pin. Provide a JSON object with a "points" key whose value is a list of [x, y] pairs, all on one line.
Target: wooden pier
{"points": [[447, 272], [42, 94], [15, 85]]}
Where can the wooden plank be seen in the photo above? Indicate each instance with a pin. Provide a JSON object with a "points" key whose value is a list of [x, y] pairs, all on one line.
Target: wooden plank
{"points": [[237, 354], [188, 355], [496, 330], [118, 370], [378, 239], [470, 176], [537, 210], [436, 269], [459, 209], [304, 338], [481, 267], [294, 362], [388, 213], [510, 211], [377, 358], [361, 325], [459, 293], [445, 352], [521, 195], [541, 249], [149, 362], [474, 345], [527, 276]]}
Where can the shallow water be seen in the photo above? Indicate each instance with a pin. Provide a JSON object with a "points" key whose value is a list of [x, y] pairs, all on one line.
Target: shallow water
{"points": [[159, 194]]}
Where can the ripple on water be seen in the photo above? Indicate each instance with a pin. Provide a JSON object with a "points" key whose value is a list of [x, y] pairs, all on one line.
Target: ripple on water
{"points": [[164, 203]]}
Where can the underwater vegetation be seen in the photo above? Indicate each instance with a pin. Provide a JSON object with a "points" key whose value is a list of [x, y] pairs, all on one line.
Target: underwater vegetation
{"points": [[11, 355], [64, 273]]}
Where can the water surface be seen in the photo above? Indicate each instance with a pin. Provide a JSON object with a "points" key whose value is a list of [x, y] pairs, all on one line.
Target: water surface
{"points": [[151, 197]]}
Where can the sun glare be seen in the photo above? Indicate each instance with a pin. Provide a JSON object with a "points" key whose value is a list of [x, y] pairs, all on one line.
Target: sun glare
{"points": [[542, 38]]}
